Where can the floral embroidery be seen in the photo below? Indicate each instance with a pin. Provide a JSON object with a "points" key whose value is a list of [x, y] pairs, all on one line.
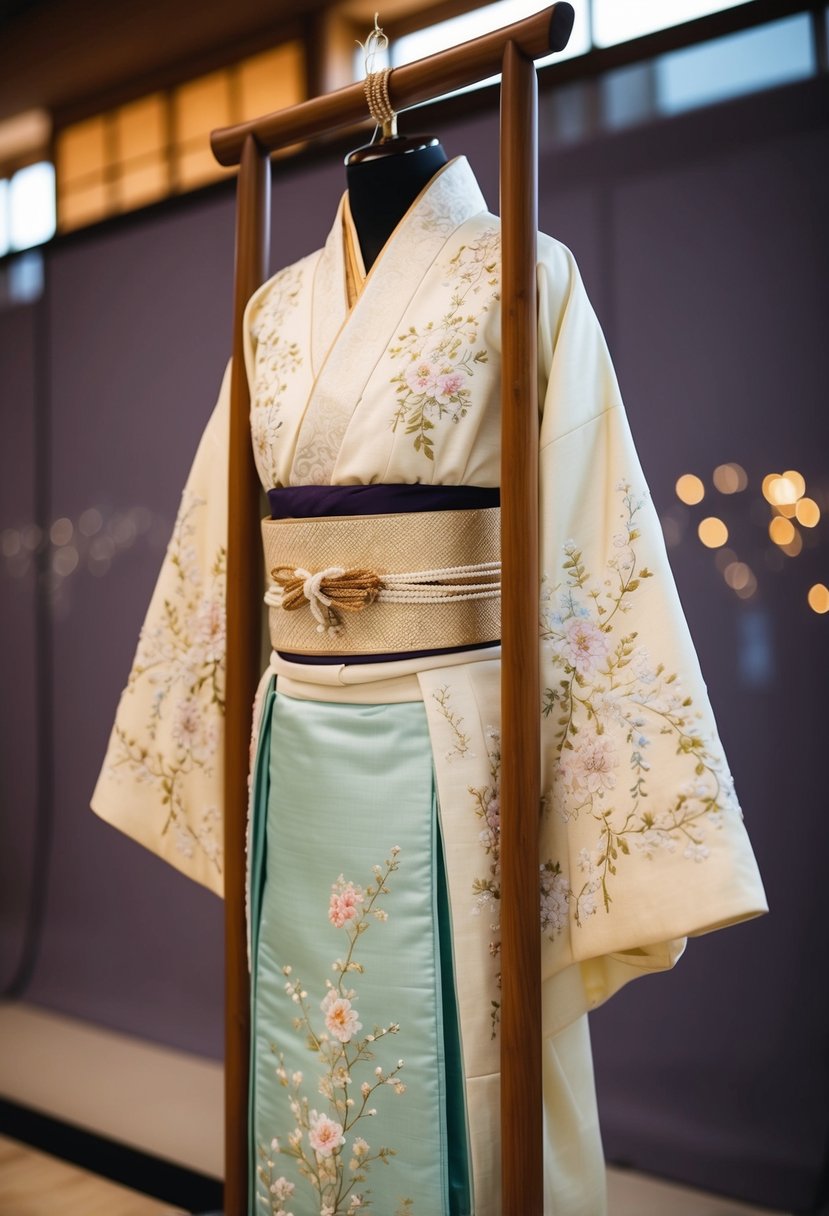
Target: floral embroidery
{"points": [[276, 359], [488, 890], [610, 700], [554, 894], [442, 356], [327, 1153], [182, 657], [460, 747]]}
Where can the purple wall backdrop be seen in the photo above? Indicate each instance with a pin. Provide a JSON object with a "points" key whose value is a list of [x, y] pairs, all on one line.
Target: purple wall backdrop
{"points": [[18, 703], [704, 248]]}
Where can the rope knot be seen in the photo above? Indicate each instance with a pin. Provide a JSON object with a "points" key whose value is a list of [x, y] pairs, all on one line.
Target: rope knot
{"points": [[327, 592]]}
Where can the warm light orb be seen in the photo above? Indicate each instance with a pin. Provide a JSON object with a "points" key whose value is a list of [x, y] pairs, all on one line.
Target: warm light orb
{"points": [[747, 591], [785, 489], [712, 532], [730, 478], [818, 598], [767, 483], [61, 531], [90, 522], [793, 548], [807, 512], [689, 489], [797, 481], [738, 575], [781, 531]]}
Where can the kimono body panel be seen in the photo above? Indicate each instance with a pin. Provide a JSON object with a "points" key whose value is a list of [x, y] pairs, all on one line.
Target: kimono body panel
{"points": [[389, 378]]}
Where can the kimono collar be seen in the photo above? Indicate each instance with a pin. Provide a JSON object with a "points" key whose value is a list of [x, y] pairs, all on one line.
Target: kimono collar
{"points": [[450, 199]]}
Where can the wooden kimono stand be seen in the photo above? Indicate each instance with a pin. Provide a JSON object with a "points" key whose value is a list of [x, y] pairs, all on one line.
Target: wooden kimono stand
{"points": [[512, 51]]}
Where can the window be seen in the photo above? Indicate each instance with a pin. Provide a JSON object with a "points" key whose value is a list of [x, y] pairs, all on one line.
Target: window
{"points": [[27, 208], [760, 58], [82, 156], [159, 144], [620, 20], [198, 107], [5, 218]]}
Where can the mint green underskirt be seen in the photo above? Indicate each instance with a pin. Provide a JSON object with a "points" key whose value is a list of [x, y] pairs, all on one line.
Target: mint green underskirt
{"points": [[338, 789]]}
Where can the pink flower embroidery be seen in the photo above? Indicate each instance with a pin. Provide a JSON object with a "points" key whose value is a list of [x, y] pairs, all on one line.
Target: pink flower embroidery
{"points": [[421, 377], [340, 1017], [448, 386], [584, 646], [325, 1136], [345, 903]]}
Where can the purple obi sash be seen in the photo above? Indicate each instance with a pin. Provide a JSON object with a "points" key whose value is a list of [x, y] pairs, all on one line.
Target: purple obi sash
{"points": [[308, 502]]}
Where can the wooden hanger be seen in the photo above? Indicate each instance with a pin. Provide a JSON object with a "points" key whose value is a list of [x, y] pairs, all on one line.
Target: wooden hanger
{"points": [[510, 50]]}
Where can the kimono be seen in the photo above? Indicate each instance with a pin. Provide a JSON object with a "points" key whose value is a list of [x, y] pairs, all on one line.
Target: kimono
{"points": [[373, 871]]}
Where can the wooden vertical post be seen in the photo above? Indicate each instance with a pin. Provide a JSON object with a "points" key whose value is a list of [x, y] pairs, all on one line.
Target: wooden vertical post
{"points": [[521, 1098], [244, 614]]}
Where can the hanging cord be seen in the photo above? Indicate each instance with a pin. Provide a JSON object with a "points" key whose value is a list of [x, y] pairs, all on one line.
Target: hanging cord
{"points": [[376, 86]]}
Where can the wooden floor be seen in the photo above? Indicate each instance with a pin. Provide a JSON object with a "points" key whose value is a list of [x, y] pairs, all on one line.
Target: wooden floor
{"points": [[168, 1105], [162, 1102], [32, 1184]]}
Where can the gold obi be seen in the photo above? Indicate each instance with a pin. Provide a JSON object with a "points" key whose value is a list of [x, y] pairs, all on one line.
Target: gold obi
{"points": [[379, 584]]}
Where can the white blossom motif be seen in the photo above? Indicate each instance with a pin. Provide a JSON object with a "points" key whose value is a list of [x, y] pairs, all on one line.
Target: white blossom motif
{"points": [[322, 1145], [181, 657], [611, 701], [590, 767]]}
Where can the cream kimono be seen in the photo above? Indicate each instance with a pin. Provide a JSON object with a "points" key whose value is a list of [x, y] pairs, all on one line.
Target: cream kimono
{"points": [[374, 876]]}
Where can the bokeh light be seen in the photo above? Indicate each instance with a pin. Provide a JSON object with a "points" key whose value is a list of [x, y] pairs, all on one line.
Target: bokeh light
{"points": [[781, 531], [794, 546], [730, 478], [689, 489], [807, 512], [712, 532], [738, 576], [818, 598]]}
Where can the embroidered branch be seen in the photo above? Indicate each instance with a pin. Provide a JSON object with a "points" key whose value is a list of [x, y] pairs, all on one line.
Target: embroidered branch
{"points": [[460, 747], [323, 1148], [609, 706]]}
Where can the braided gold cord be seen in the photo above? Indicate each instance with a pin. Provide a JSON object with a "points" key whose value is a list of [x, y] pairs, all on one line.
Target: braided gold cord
{"points": [[351, 591], [376, 88]]}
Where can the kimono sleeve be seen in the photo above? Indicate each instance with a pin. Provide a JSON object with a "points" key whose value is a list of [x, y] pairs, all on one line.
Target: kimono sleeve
{"points": [[643, 840], [162, 777]]}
